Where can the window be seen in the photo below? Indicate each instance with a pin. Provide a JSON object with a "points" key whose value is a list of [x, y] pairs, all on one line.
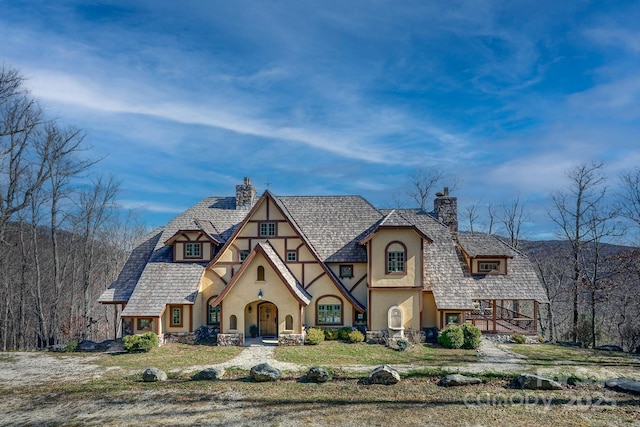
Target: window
{"points": [[193, 250], [243, 255], [233, 322], [346, 271], [260, 274], [396, 257], [288, 322], [176, 316], [267, 229], [292, 256], [144, 324], [487, 266], [329, 314], [213, 315], [452, 319]]}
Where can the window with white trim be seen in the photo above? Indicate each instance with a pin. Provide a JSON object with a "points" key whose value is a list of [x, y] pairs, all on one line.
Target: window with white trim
{"points": [[292, 256], [243, 255]]}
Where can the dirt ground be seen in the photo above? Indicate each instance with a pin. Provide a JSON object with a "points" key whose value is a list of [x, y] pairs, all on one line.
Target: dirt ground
{"points": [[225, 405]]}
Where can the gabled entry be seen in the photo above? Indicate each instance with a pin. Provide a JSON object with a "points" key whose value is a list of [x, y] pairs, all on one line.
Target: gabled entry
{"points": [[268, 319]]}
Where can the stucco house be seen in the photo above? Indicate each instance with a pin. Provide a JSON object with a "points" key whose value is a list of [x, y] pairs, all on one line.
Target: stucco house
{"points": [[283, 264]]}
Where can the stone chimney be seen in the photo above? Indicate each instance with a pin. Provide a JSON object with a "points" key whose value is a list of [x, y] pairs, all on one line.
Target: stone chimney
{"points": [[245, 195], [446, 209]]}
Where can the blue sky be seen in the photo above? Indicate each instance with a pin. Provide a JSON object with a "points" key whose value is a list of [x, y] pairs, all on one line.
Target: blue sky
{"points": [[184, 99]]}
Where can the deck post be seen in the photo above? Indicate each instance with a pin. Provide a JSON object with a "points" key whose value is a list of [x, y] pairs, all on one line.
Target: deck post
{"points": [[535, 316], [494, 315]]}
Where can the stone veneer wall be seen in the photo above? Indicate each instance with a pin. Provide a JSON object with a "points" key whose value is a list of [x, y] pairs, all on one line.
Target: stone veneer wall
{"points": [[231, 340], [291, 339], [377, 337], [177, 337]]}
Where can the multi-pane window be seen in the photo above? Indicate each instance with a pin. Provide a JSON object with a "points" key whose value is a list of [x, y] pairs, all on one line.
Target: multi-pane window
{"points": [[329, 314], [176, 316], [488, 266], [244, 255], [396, 254], [292, 256], [267, 229], [193, 250], [395, 262], [213, 315]]}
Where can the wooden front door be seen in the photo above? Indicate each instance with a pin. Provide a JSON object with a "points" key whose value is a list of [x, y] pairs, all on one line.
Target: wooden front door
{"points": [[268, 319]]}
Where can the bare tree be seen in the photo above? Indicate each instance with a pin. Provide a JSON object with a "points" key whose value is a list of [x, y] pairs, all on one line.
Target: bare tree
{"points": [[423, 183], [97, 205], [471, 214], [630, 196], [23, 152], [512, 218], [573, 211]]}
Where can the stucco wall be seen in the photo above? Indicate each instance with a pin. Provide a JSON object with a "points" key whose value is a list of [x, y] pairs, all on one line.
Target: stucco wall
{"points": [[413, 263], [245, 292], [407, 300], [429, 311]]}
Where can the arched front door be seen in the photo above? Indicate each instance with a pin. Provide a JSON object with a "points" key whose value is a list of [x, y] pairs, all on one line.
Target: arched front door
{"points": [[268, 319]]}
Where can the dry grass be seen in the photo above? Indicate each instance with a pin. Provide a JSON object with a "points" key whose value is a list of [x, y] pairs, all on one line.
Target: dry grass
{"points": [[237, 401], [336, 354]]}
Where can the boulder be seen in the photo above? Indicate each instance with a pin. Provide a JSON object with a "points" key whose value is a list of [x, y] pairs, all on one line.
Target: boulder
{"points": [[610, 347], [458, 380], [88, 346], [58, 348], [535, 382], [383, 374], [153, 374], [318, 375], [625, 385], [265, 372], [209, 374]]}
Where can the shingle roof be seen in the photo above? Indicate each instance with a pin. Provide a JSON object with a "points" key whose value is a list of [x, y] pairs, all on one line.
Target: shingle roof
{"points": [[216, 216], [521, 280], [333, 225], [294, 285], [479, 244], [164, 282], [122, 288], [442, 271]]}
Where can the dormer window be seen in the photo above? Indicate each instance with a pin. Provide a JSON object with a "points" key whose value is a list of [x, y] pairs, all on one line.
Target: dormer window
{"points": [[489, 266], [193, 250]]}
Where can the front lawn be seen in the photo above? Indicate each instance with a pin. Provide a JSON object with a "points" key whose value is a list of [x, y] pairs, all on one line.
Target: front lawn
{"points": [[548, 354], [336, 354], [171, 356]]}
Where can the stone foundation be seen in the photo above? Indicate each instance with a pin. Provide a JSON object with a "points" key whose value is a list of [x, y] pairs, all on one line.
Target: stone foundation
{"points": [[231, 340], [177, 337], [291, 339]]}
